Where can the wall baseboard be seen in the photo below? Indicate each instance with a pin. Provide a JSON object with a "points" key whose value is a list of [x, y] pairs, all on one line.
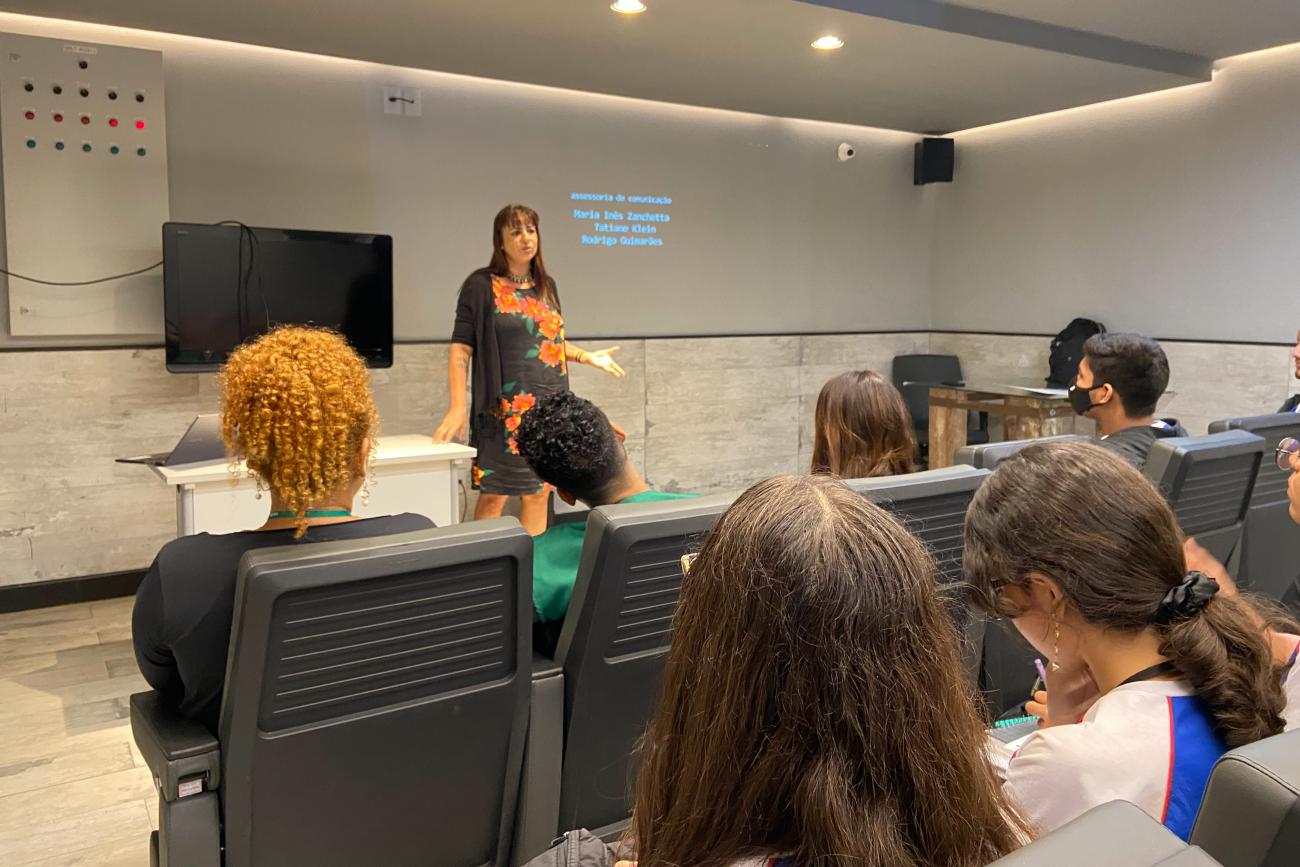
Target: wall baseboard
{"points": [[65, 591]]}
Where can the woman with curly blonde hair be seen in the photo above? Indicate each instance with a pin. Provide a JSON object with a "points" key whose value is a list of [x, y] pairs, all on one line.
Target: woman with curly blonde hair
{"points": [[296, 407]]}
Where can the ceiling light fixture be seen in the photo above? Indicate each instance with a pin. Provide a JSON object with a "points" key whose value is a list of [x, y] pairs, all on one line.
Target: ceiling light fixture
{"points": [[828, 43], [628, 7]]}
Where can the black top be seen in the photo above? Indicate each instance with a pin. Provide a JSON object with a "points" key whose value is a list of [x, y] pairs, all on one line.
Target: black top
{"points": [[1133, 444], [184, 606]]}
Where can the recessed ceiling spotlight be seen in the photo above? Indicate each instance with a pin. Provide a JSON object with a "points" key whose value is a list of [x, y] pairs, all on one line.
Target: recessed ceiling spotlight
{"points": [[628, 7], [828, 43]]}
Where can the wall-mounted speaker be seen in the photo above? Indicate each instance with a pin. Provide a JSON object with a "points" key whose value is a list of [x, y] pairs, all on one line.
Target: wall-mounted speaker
{"points": [[932, 163]]}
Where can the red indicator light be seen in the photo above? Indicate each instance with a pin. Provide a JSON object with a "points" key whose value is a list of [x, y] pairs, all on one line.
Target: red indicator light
{"points": [[112, 121], [30, 115], [139, 124], [85, 120], [58, 118]]}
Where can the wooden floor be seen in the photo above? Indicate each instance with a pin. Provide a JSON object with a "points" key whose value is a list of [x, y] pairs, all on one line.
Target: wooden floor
{"points": [[73, 788]]}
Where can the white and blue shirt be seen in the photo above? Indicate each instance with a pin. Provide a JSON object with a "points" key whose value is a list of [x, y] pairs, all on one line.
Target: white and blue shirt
{"points": [[1151, 743]]}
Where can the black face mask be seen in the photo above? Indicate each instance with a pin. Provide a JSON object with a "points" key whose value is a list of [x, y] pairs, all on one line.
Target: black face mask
{"points": [[1081, 398]]}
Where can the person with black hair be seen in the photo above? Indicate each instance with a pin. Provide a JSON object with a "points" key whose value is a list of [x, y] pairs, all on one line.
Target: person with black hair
{"points": [[1121, 378], [571, 445]]}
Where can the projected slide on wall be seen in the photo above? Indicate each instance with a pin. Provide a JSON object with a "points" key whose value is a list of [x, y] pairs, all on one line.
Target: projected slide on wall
{"points": [[620, 220]]}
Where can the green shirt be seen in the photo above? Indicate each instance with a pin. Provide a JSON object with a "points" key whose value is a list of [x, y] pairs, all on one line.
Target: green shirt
{"points": [[557, 553]]}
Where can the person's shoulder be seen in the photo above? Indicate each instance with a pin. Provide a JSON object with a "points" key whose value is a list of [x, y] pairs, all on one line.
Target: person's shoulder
{"points": [[480, 279], [407, 522]]}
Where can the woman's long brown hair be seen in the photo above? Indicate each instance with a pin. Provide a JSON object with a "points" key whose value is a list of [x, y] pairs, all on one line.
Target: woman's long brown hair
{"points": [[862, 428], [1084, 517], [814, 703], [521, 215]]}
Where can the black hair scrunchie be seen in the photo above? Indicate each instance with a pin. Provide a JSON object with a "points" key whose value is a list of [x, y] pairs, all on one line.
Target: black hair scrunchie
{"points": [[1186, 600]]}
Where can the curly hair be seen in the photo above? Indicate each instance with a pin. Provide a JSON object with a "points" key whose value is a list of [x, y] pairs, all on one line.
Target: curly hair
{"points": [[569, 444], [296, 406]]}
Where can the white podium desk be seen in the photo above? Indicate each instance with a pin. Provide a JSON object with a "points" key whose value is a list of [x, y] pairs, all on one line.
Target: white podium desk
{"points": [[409, 473]]}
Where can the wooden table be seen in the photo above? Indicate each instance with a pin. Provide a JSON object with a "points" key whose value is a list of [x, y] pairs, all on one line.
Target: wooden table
{"points": [[1025, 415]]}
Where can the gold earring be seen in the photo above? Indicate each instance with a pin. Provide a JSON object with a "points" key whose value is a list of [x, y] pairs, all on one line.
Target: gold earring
{"points": [[1056, 645]]}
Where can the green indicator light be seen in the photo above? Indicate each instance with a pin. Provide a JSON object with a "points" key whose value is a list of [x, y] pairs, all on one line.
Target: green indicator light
{"points": [[58, 145], [114, 149], [31, 142], [86, 147]]}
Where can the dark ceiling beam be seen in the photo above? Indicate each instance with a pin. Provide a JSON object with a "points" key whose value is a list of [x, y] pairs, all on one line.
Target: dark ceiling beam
{"points": [[1030, 34]]}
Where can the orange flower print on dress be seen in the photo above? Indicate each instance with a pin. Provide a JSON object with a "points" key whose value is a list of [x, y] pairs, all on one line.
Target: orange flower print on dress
{"points": [[523, 402], [514, 446], [550, 325], [551, 354], [509, 304], [512, 423], [536, 309]]}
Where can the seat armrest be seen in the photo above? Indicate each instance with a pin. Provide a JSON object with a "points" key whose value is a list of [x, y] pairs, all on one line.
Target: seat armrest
{"points": [[183, 756], [544, 667]]}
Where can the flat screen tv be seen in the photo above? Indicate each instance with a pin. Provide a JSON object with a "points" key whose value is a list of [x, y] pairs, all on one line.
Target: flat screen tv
{"points": [[223, 284]]}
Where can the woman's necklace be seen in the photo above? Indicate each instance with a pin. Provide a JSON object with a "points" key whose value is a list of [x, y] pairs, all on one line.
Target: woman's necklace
{"points": [[520, 278]]}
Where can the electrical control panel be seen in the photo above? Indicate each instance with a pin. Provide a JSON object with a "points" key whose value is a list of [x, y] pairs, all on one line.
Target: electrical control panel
{"points": [[84, 150]]}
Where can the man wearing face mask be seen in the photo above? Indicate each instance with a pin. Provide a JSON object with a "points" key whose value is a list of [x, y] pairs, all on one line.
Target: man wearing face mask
{"points": [[1121, 377]]}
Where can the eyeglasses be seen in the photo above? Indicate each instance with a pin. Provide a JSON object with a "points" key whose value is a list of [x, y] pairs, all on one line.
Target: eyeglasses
{"points": [[687, 560], [1286, 450]]}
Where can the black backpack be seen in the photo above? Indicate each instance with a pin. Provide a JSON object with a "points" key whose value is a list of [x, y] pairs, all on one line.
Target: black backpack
{"points": [[1067, 350]]}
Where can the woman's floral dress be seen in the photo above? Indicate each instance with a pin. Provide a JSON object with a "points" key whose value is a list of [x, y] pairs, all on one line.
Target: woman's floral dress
{"points": [[530, 341]]}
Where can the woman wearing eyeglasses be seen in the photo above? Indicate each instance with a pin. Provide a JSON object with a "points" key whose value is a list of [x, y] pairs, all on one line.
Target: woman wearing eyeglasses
{"points": [[1280, 628], [1154, 673]]}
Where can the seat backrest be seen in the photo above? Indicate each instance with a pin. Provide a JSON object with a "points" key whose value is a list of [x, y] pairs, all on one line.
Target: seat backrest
{"points": [[1250, 814], [1208, 482], [932, 504], [922, 369], [1116, 834], [989, 455], [377, 699], [1269, 556], [612, 646]]}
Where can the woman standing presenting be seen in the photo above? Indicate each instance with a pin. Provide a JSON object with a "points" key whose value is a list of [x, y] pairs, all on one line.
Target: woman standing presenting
{"points": [[508, 325]]}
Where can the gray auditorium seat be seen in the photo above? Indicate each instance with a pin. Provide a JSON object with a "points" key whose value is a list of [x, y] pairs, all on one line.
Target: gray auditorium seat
{"points": [[933, 506], [1208, 481], [1117, 834], [1268, 558], [375, 708], [612, 647], [989, 455], [1250, 815]]}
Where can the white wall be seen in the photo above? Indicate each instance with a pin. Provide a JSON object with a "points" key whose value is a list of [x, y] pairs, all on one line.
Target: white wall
{"points": [[1174, 214], [769, 232]]}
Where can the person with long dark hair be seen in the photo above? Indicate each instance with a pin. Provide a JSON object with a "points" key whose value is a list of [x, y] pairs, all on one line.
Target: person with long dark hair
{"points": [[510, 329], [814, 706], [1153, 672], [862, 428]]}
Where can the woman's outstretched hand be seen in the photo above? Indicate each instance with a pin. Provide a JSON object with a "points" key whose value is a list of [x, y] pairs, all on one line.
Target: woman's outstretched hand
{"points": [[603, 359]]}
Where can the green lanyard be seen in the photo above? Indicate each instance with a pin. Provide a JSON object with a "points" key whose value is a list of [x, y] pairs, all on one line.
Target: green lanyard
{"points": [[316, 513]]}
